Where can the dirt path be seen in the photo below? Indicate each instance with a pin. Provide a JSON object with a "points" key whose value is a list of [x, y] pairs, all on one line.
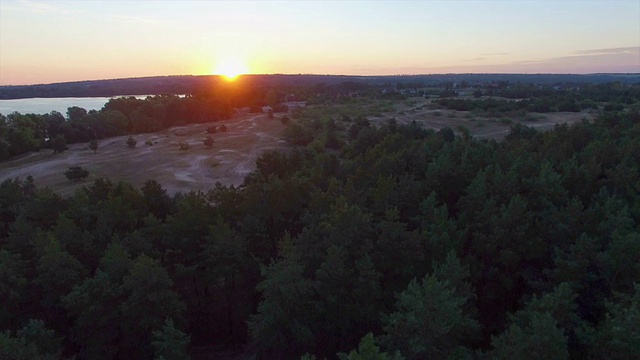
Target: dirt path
{"points": [[232, 157]]}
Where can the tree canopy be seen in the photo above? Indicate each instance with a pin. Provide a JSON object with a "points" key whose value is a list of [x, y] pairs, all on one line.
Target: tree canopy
{"points": [[361, 241]]}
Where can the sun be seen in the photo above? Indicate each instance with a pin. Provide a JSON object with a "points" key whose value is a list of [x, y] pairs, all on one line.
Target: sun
{"points": [[230, 69]]}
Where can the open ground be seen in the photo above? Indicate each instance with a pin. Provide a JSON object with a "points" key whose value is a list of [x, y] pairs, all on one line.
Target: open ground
{"points": [[232, 157], [429, 115], [234, 152]]}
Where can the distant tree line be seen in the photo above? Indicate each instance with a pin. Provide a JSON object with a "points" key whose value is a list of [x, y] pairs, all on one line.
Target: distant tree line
{"points": [[531, 98]]}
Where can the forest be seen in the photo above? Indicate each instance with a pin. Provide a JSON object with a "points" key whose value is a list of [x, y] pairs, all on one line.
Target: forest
{"points": [[360, 242]]}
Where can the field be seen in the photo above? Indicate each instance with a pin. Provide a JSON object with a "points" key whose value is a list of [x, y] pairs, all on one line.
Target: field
{"points": [[234, 152], [228, 161], [425, 114]]}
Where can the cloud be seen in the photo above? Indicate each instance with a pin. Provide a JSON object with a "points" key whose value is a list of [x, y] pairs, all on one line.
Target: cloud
{"points": [[495, 54], [620, 50]]}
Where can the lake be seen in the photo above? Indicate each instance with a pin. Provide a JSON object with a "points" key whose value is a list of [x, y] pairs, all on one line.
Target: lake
{"points": [[47, 105]]}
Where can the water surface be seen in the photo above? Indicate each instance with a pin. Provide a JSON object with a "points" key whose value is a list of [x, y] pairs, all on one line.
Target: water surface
{"points": [[47, 105]]}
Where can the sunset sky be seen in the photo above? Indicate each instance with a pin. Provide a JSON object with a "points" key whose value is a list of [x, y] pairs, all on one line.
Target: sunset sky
{"points": [[54, 41]]}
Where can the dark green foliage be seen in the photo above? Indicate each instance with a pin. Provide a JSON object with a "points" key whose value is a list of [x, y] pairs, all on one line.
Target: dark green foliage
{"points": [[158, 202], [287, 295], [618, 333], [208, 142], [441, 246], [430, 320], [447, 134], [13, 285], [57, 272], [76, 173], [170, 343], [148, 300], [131, 142], [541, 329], [58, 144], [368, 350], [33, 342], [93, 145], [96, 324], [539, 339]]}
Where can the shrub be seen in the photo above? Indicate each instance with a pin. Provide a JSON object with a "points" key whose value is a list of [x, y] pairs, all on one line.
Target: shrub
{"points": [[208, 142], [58, 144], [93, 145], [76, 173], [131, 142]]}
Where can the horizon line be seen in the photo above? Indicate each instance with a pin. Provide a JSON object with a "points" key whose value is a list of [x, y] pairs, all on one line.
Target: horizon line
{"points": [[318, 74]]}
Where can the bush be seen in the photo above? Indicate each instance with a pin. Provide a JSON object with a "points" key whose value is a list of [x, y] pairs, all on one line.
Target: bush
{"points": [[76, 173], [131, 142], [58, 144], [208, 142], [184, 146], [93, 145]]}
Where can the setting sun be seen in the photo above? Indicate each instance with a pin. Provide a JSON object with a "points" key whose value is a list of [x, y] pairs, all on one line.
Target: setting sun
{"points": [[230, 68]]}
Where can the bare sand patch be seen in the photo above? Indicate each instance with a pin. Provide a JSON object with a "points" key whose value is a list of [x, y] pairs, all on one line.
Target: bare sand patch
{"points": [[481, 127], [232, 157]]}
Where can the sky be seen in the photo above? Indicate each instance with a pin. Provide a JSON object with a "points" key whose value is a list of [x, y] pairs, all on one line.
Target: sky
{"points": [[46, 41]]}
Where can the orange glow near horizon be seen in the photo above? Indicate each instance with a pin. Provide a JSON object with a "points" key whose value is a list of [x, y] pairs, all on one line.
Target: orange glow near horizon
{"points": [[313, 37], [230, 68]]}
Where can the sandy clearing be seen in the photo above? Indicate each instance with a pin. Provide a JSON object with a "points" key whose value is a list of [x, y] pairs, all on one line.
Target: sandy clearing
{"points": [[480, 127], [232, 157]]}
